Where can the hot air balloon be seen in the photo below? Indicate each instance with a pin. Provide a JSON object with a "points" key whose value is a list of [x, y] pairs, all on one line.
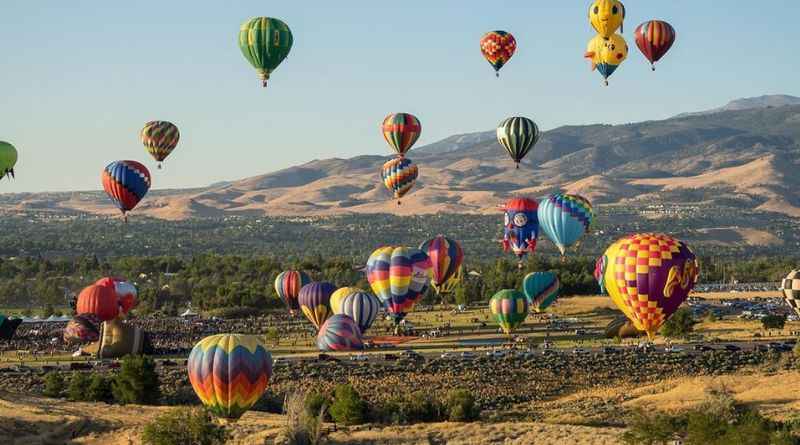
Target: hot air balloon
{"points": [[401, 131], [648, 276], [541, 289], [450, 285], [510, 308], [791, 290], [229, 372], [399, 176], [82, 329], [399, 277], [362, 307], [8, 159], [623, 328], [339, 295], [98, 300], [606, 16], [446, 257], [607, 54], [8, 326], [118, 339], [497, 48], [517, 135], [288, 285], [565, 219], [159, 139], [339, 333], [126, 183], [314, 299], [265, 42], [124, 291], [521, 226], [654, 38]]}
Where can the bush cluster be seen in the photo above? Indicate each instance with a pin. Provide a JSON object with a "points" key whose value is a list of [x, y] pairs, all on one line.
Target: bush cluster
{"points": [[184, 426]]}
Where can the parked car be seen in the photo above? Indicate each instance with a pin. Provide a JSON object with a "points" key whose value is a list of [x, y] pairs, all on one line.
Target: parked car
{"points": [[732, 348], [326, 358], [578, 351], [447, 355], [466, 355], [359, 358], [702, 348], [409, 353], [610, 350], [673, 349]]}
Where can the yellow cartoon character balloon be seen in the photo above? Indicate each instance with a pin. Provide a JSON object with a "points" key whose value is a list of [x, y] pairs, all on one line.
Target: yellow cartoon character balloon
{"points": [[606, 16], [606, 54]]}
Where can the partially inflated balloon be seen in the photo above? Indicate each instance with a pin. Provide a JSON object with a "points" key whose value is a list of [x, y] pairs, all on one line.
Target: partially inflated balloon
{"points": [[399, 277], [314, 300], [517, 135], [98, 300], [565, 219], [229, 373], [362, 307], [541, 289], [510, 308], [401, 131], [607, 54], [399, 176], [339, 295], [265, 42], [159, 139], [446, 257], [8, 159], [607, 16], [126, 183], [652, 275], [497, 48], [339, 333], [654, 38], [124, 291], [288, 285], [521, 226], [82, 329], [791, 290]]}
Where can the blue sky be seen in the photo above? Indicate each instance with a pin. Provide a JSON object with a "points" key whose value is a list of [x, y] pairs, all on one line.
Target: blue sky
{"points": [[79, 78]]}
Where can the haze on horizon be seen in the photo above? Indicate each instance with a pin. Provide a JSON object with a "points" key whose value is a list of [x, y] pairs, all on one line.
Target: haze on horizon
{"points": [[80, 78]]}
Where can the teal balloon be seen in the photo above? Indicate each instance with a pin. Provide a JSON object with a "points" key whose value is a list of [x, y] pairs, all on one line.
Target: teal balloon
{"points": [[541, 289], [564, 219]]}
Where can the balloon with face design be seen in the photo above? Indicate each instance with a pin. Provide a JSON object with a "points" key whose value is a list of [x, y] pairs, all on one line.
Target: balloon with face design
{"points": [[607, 16], [521, 226], [606, 54]]}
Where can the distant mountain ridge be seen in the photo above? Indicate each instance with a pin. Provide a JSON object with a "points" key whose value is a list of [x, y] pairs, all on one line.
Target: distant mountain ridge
{"points": [[766, 101], [745, 155]]}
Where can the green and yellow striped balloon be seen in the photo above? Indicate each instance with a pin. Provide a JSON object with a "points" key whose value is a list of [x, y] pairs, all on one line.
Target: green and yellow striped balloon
{"points": [[510, 308], [159, 139], [265, 42]]}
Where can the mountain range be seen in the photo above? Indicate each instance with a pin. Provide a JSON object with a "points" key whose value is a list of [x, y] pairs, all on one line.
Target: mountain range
{"points": [[742, 155]]}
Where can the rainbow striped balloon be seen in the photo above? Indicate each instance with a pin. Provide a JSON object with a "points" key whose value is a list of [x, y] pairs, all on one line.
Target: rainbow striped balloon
{"points": [[446, 257], [339, 333], [510, 308], [541, 289], [315, 300], [399, 277], [565, 219], [399, 176], [229, 373]]}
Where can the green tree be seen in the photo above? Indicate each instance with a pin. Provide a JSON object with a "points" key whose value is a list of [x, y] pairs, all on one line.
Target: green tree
{"points": [[137, 381], [53, 385], [348, 407], [99, 389], [78, 389], [183, 426], [679, 325], [773, 321]]}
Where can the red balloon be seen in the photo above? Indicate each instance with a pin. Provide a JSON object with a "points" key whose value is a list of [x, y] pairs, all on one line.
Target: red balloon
{"points": [[124, 291], [654, 38], [100, 301]]}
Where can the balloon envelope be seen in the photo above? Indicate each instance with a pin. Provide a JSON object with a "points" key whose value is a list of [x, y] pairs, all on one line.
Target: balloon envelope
{"points": [[510, 308], [361, 307], [265, 42], [654, 38], [8, 159], [564, 219], [399, 277], [160, 138], [126, 183], [314, 300], [401, 131], [8, 326], [124, 291], [521, 226], [541, 289], [606, 16], [82, 329], [229, 372], [339, 333], [446, 258], [791, 290], [518, 135], [497, 48], [399, 176], [339, 295], [288, 285], [98, 300]]}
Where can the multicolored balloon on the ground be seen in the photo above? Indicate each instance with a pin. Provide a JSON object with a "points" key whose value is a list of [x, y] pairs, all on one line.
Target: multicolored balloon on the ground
{"points": [[497, 48], [362, 307], [265, 42], [288, 285], [446, 257], [159, 139], [606, 54], [622, 327], [401, 131], [521, 226], [314, 300], [339, 333], [229, 372], [124, 291], [518, 135], [126, 183], [791, 290], [339, 295], [510, 308], [654, 38], [607, 16], [565, 219], [648, 276], [399, 176], [82, 329], [98, 300], [8, 159], [399, 277], [541, 289]]}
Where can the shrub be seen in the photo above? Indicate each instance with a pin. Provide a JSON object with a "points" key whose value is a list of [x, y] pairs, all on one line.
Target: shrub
{"points": [[460, 406], [137, 381], [184, 426], [270, 402], [99, 389], [78, 389], [316, 403], [303, 426], [348, 407], [773, 321], [651, 428], [680, 325], [420, 407], [53, 385]]}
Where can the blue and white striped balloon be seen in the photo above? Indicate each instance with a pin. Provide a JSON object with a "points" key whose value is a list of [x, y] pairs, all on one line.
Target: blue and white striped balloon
{"points": [[362, 307]]}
